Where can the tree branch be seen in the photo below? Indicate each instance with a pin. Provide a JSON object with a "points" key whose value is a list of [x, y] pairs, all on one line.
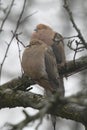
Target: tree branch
{"points": [[69, 108], [73, 67], [66, 6], [64, 107]]}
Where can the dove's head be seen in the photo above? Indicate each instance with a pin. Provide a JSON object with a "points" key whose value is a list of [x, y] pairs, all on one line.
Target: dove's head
{"points": [[43, 26], [44, 33]]}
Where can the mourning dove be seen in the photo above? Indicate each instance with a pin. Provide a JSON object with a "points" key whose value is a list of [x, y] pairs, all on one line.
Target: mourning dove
{"points": [[51, 38], [39, 62], [41, 58]]}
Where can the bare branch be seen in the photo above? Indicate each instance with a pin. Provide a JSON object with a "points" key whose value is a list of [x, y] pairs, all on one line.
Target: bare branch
{"points": [[65, 108], [20, 17], [17, 38], [3, 22], [17, 26], [66, 6], [69, 108], [71, 68], [75, 53], [19, 51], [28, 17], [70, 37]]}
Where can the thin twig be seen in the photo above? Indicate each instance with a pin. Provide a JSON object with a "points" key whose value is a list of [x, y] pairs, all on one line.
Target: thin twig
{"points": [[19, 51], [3, 22], [66, 6], [75, 54], [70, 37], [17, 26], [28, 17], [16, 36], [77, 49], [20, 17]]}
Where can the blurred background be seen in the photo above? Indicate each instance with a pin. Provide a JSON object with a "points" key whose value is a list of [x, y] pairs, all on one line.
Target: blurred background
{"points": [[53, 14]]}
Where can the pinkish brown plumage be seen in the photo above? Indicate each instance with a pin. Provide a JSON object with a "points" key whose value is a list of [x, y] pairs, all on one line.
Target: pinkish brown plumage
{"points": [[51, 38], [39, 62], [41, 57]]}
